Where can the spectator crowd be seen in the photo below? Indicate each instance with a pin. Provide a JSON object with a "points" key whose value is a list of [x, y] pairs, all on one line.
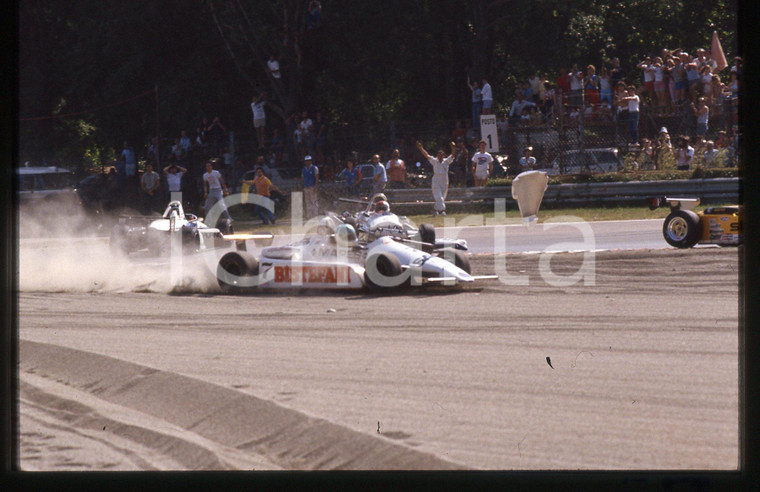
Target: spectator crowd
{"points": [[666, 83]]}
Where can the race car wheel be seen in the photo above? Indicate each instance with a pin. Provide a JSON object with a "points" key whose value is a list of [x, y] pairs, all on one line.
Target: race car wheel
{"points": [[383, 272], [427, 235], [191, 239], [682, 229], [456, 257], [232, 270]]}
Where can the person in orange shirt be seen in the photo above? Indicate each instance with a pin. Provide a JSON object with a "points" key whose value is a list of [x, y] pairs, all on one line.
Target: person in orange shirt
{"points": [[263, 187], [396, 170]]}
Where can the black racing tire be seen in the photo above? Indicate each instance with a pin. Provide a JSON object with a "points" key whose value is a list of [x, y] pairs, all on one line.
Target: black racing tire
{"points": [[191, 239], [456, 257], [237, 264], [682, 229], [383, 272], [427, 235]]}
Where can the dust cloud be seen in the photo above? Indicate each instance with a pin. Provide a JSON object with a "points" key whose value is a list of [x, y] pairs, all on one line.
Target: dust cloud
{"points": [[67, 250]]}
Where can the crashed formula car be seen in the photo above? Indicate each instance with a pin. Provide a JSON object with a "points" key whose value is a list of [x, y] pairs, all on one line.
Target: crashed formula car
{"points": [[378, 221], [134, 233], [340, 261], [684, 228]]}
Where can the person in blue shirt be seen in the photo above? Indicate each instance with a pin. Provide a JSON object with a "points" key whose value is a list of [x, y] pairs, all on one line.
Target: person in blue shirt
{"points": [[352, 176], [309, 182], [380, 178]]}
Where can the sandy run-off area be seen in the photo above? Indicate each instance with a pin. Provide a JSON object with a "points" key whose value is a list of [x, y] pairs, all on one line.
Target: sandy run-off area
{"points": [[635, 368]]}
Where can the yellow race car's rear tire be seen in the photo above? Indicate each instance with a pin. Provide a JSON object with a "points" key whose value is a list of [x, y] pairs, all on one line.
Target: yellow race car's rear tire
{"points": [[682, 229]]}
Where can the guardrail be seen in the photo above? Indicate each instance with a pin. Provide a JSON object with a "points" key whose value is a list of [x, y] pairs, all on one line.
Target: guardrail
{"points": [[708, 190]]}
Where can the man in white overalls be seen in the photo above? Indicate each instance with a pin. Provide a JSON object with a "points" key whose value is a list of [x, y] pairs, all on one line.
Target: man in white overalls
{"points": [[440, 182]]}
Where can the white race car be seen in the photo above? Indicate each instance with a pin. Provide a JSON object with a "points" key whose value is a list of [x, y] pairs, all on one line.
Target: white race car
{"points": [[134, 233], [378, 221], [341, 261]]}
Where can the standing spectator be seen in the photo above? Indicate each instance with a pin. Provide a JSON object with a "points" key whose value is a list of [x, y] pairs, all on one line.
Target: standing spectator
{"points": [[477, 103], [738, 67], [576, 87], [678, 74], [591, 85], [662, 148], [647, 67], [278, 145], [273, 66], [440, 181], [130, 161], [482, 164], [299, 137], [487, 96], [733, 85], [352, 176], [692, 78], [150, 181], [174, 174], [380, 177], [203, 131], [633, 114], [461, 164], [178, 154], [309, 182], [550, 95], [185, 142], [527, 161], [702, 113], [660, 84], [669, 70], [616, 72], [518, 107], [200, 138], [396, 170], [152, 152], [711, 154], [213, 184], [645, 159], [129, 164], [307, 129], [605, 86], [264, 188], [259, 118], [683, 153], [563, 88], [535, 84], [706, 78]]}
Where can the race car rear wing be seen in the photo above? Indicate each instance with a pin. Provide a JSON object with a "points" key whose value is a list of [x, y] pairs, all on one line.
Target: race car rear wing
{"points": [[263, 239], [674, 203]]}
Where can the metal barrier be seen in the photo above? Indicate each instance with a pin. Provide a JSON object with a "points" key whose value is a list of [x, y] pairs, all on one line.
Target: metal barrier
{"points": [[708, 190]]}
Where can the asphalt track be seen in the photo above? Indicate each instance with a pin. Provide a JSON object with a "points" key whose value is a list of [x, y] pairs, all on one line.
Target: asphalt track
{"points": [[600, 359]]}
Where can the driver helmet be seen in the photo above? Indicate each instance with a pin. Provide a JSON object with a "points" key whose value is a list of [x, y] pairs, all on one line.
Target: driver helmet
{"points": [[345, 235], [382, 207]]}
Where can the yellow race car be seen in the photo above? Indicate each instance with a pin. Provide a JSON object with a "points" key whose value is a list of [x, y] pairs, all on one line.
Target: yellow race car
{"points": [[684, 228]]}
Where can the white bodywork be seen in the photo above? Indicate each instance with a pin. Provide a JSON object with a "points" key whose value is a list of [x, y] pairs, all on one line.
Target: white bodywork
{"points": [[318, 262], [371, 225]]}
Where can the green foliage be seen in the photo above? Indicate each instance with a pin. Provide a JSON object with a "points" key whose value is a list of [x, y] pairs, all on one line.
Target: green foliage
{"points": [[698, 172], [369, 63]]}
